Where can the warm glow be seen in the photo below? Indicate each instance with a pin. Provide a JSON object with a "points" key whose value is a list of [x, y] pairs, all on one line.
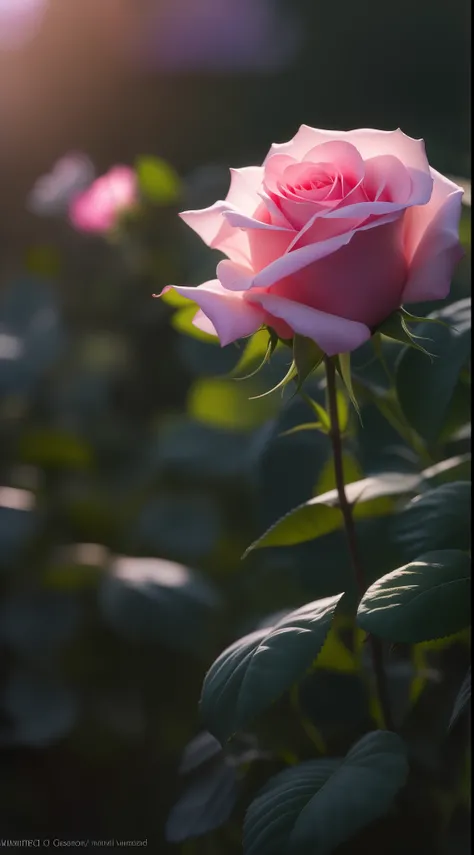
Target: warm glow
{"points": [[19, 20]]}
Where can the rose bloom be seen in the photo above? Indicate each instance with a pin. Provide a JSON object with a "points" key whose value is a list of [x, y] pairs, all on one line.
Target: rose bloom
{"points": [[99, 207], [328, 238]]}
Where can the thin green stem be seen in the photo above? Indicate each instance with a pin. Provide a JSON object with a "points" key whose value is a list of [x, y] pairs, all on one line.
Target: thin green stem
{"points": [[346, 510]]}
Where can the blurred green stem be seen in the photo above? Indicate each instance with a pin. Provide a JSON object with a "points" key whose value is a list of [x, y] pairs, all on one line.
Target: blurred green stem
{"points": [[346, 510]]}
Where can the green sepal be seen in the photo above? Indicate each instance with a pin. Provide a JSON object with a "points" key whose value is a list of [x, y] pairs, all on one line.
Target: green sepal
{"points": [[290, 375], [320, 412], [343, 368], [272, 344], [307, 357], [395, 327], [416, 319]]}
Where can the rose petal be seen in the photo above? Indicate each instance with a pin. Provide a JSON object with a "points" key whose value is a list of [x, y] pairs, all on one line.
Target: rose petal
{"points": [[362, 281], [332, 334], [345, 157], [385, 176], [242, 221], [276, 216], [230, 315], [245, 184], [216, 232], [299, 258], [369, 143], [419, 218], [432, 242], [202, 322], [234, 277]]}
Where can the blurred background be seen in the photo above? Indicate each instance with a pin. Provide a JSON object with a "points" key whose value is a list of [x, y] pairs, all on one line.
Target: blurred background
{"points": [[133, 472]]}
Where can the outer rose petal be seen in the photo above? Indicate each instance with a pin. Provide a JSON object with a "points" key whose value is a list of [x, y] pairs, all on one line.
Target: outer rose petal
{"points": [[234, 277], [202, 322], [215, 225], [244, 187], [230, 315], [432, 242], [332, 334], [295, 260], [362, 281], [370, 143], [216, 232], [419, 218]]}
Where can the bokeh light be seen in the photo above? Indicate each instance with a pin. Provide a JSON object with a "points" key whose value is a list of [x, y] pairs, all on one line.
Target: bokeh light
{"points": [[19, 21], [219, 35]]}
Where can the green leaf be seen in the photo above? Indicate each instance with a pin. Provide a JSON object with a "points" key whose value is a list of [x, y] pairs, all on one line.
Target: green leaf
{"points": [[343, 365], [258, 668], [437, 519], [426, 389], [426, 599], [223, 403], [327, 479], [465, 228], [312, 808], [307, 356], [372, 496], [157, 180], [55, 449], [462, 700], [457, 468]]}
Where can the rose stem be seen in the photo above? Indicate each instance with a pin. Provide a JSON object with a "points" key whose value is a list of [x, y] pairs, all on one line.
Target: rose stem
{"points": [[346, 510]]}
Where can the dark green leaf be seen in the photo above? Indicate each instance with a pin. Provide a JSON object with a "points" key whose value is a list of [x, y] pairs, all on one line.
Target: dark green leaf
{"points": [[19, 522], [148, 599], [312, 808], [254, 671], [205, 805], [437, 519], [426, 599], [425, 388], [203, 748]]}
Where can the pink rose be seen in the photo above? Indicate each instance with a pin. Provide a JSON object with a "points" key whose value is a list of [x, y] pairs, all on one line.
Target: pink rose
{"points": [[99, 207], [330, 236]]}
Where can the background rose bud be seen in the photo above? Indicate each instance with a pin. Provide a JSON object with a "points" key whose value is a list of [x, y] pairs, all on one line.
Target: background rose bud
{"points": [[98, 208], [330, 236]]}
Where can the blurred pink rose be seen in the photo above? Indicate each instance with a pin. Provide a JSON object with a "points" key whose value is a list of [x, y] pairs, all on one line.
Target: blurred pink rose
{"points": [[99, 207], [330, 236]]}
